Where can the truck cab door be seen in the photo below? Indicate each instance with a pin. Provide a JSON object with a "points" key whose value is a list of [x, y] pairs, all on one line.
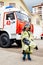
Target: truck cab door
{"points": [[10, 22]]}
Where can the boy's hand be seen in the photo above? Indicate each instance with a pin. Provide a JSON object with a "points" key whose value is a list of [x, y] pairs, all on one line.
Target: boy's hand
{"points": [[23, 52]]}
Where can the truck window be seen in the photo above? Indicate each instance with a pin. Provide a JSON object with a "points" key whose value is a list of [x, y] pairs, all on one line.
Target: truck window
{"points": [[22, 16], [11, 16]]}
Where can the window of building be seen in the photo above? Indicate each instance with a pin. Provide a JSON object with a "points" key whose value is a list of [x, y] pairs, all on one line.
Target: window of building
{"points": [[39, 12], [12, 4], [39, 8], [34, 10], [37, 21], [41, 17], [1, 3]]}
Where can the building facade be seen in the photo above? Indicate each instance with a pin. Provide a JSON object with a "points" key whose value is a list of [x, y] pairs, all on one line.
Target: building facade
{"points": [[38, 9], [37, 12], [16, 3], [37, 18]]}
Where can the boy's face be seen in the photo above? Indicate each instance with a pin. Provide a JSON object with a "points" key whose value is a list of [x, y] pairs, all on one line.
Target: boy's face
{"points": [[27, 29]]}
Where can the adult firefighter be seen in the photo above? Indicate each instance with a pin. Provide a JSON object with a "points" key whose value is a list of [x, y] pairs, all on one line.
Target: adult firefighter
{"points": [[27, 42]]}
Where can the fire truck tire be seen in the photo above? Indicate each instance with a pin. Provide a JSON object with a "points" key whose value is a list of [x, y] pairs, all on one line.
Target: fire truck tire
{"points": [[4, 40], [18, 42]]}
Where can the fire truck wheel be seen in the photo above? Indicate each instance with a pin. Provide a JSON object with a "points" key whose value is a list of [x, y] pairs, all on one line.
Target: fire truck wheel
{"points": [[4, 40], [18, 42]]}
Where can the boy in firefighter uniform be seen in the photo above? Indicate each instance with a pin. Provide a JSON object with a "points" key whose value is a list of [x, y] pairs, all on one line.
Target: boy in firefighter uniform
{"points": [[27, 42]]}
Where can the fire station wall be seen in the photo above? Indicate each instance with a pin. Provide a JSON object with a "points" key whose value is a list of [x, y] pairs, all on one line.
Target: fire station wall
{"points": [[18, 4], [6, 2], [35, 19]]}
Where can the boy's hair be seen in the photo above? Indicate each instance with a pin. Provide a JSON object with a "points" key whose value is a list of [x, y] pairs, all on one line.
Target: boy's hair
{"points": [[26, 26]]}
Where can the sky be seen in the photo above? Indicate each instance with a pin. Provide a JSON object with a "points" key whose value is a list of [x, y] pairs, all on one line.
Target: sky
{"points": [[31, 3]]}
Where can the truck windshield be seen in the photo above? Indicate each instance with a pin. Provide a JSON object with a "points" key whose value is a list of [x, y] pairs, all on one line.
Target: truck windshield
{"points": [[22, 16]]}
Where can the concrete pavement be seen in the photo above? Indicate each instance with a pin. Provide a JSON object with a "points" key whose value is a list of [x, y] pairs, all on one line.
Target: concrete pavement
{"points": [[13, 58]]}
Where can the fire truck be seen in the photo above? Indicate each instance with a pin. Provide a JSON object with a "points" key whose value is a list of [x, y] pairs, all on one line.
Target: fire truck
{"points": [[12, 21]]}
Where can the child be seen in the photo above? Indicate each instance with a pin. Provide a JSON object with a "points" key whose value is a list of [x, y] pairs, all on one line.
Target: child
{"points": [[27, 42]]}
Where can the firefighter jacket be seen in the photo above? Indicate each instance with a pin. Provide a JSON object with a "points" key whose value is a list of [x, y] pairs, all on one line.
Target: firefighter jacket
{"points": [[28, 48]]}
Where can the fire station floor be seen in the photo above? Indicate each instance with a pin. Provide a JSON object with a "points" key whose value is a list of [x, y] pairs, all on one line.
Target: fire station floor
{"points": [[13, 56]]}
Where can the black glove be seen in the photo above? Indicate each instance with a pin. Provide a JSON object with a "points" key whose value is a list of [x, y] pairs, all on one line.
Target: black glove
{"points": [[36, 48], [26, 41], [23, 52]]}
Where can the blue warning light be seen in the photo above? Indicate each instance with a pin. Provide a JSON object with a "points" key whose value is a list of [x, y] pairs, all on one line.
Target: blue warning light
{"points": [[8, 7]]}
